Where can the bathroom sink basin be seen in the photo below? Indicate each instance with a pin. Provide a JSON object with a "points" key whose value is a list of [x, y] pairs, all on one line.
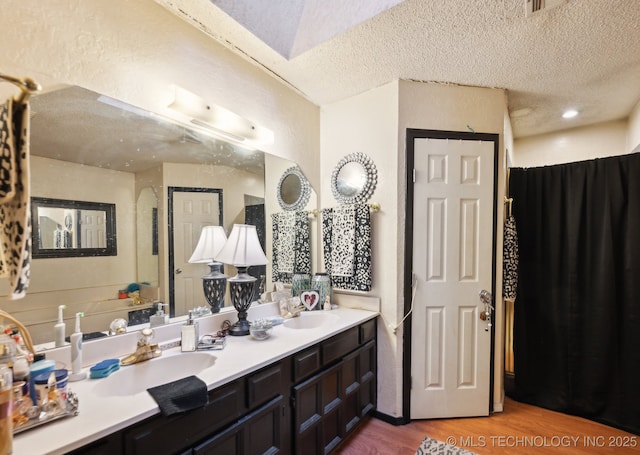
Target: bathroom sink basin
{"points": [[136, 378], [310, 320]]}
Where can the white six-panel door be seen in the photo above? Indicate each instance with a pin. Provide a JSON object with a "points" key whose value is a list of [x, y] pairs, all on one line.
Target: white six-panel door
{"points": [[452, 264], [191, 212]]}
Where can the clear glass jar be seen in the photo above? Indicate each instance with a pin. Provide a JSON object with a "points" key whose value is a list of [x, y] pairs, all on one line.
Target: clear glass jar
{"points": [[321, 283], [7, 350], [299, 283]]}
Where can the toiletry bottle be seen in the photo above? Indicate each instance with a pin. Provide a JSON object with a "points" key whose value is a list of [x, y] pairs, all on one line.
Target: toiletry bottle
{"points": [[76, 352], [189, 332], [60, 328], [6, 405], [21, 373], [160, 318], [165, 313]]}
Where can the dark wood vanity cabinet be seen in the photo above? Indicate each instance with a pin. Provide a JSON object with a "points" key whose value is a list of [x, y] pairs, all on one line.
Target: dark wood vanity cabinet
{"points": [[341, 391], [306, 403]]}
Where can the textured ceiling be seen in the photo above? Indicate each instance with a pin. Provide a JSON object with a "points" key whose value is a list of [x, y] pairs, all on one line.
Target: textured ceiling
{"points": [[583, 54]]}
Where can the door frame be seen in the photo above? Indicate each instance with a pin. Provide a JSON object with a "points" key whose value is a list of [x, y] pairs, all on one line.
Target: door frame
{"points": [[171, 190], [411, 135]]}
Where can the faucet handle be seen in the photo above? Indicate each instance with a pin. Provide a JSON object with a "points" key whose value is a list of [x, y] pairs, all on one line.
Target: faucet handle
{"points": [[146, 335]]}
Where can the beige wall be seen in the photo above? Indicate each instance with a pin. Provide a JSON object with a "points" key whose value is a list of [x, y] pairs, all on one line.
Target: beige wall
{"points": [[577, 144], [374, 123]]}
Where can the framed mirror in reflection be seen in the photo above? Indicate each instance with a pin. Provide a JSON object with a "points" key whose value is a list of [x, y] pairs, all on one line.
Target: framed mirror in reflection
{"points": [[66, 228], [293, 190]]}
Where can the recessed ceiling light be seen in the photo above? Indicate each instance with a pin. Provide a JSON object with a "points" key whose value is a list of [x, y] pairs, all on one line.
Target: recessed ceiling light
{"points": [[571, 113]]}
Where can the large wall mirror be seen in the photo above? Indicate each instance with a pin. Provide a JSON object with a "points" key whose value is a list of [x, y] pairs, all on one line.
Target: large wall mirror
{"points": [[91, 148]]}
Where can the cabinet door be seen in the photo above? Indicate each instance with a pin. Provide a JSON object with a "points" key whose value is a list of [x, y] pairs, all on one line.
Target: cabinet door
{"points": [[368, 385], [351, 385], [264, 385], [317, 411], [260, 432]]}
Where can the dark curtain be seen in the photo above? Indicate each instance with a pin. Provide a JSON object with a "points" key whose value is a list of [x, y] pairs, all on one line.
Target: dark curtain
{"points": [[577, 316]]}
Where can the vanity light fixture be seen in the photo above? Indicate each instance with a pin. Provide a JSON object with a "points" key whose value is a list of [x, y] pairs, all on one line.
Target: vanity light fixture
{"points": [[212, 239], [242, 250], [191, 108]]}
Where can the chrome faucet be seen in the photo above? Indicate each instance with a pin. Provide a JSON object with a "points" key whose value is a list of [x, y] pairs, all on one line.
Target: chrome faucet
{"points": [[145, 349]]}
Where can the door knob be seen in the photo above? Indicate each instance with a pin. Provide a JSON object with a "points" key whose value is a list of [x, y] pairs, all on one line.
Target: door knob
{"points": [[178, 271], [486, 298]]}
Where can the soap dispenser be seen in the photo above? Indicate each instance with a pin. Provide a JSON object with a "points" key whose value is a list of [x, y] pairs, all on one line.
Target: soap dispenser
{"points": [[60, 328], [76, 352], [189, 334], [160, 318]]}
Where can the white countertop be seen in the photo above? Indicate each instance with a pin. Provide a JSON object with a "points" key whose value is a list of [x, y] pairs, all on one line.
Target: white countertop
{"points": [[101, 414]]}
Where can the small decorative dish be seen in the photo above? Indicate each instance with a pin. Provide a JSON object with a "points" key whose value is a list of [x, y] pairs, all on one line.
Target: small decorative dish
{"points": [[260, 329]]}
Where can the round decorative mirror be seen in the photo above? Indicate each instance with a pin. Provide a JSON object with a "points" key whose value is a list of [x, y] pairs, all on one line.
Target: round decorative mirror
{"points": [[293, 190], [354, 179]]}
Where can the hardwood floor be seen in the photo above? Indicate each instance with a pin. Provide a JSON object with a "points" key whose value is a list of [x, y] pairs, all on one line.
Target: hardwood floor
{"points": [[520, 429]]}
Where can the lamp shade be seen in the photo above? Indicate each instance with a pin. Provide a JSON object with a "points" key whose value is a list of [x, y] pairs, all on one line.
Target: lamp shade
{"points": [[212, 239], [242, 248]]}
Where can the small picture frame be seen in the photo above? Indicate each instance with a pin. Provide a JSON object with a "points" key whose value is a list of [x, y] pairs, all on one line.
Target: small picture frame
{"points": [[310, 299]]}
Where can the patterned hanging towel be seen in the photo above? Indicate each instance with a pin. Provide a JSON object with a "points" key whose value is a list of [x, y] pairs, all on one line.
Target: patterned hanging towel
{"points": [[510, 259], [15, 208], [346, 239], [291, 245], [343, 233]]}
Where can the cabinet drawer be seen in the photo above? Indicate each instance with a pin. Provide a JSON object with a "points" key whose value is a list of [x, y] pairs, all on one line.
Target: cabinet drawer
{"points": [[367, 331], [258, 432], [176, 433], [340, 345], [264, 385], [306, 363]]}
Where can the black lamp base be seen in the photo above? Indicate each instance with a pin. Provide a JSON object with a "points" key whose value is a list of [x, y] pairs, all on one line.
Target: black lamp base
{"points": [[215, 286], [241, 288], [240, 328]]}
